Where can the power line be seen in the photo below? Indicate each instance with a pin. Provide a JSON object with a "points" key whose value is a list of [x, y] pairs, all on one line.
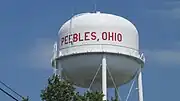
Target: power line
{"points": [[8, 94], [11, 89]]}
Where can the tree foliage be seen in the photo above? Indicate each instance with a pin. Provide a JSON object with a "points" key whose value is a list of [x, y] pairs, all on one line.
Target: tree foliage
{"points": [[25, 99], [58, 90], [89, 96], [63, 90]]}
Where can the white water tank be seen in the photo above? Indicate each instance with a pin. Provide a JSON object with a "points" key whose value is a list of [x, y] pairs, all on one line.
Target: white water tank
{"points": [[85, 38]]}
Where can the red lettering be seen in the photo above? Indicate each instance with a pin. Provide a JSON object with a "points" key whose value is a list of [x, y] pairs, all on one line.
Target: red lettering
{"points": [[115, 37], [104, 36], [62, 41], [66, 39], [111, 35], [75, 37], [93, 35], [70, 38], [80, 37], [119, 37], [86, 35]]}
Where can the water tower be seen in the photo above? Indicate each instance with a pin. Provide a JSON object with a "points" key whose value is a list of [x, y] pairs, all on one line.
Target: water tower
{"points": [[99, 51]]}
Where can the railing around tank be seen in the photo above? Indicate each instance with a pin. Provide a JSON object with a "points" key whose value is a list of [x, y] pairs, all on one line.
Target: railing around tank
{"points": [[57, 52]]}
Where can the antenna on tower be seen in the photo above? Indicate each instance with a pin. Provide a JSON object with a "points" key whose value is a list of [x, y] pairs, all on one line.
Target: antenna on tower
{"points": [[95, 5]]}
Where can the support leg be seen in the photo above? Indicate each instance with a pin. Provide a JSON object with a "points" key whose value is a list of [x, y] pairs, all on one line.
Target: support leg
{"points": [[55, 71], [140, 86], [116, 93], [59, 71], [104, 77]]}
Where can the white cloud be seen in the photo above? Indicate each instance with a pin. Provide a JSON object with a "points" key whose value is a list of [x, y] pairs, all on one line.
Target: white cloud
{"points": [[173, 10], [39, 55], [177, 45], [168, 56], [172, 3], [170, 13], [163, 57]]}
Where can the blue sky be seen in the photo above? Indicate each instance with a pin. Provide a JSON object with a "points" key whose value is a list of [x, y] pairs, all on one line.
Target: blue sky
{"points": [[28, 29]]}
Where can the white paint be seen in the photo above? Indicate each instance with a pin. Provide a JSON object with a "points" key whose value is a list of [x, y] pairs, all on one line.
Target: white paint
{"points": [[104, 78], [55, 71], [59, 70], [100, 22], [140, 86], [80, 60]]}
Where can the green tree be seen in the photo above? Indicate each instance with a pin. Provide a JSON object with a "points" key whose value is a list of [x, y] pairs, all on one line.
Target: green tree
{"points": [[89, 96], [63, 90], [58, 90], [25, 99]]}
